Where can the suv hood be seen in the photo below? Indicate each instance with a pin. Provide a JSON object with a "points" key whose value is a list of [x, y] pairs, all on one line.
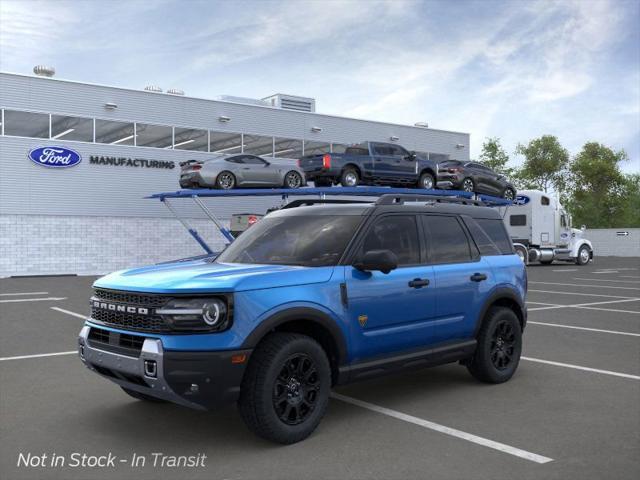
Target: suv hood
{"points": [[203, 277]]}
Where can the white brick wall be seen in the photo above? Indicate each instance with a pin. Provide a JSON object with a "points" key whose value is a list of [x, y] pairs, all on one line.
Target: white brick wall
{"points": [[606, 242], [41, 244]]}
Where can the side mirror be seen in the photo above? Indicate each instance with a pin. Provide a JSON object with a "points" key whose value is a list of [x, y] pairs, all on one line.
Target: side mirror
{"points": [[380, 260], [412, 156]]}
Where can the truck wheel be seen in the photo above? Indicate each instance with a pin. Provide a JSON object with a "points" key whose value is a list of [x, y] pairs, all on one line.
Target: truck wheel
{"points": [[499, 346], [546, 262], [509, 194], [522, 253], [583, 255], [426, 181], [142, 396], [349, 177], [226, 180], [468, 185], [285, 390]]}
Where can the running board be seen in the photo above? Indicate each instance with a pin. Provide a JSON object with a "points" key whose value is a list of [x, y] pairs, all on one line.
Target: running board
{"points": [[414, 360]]}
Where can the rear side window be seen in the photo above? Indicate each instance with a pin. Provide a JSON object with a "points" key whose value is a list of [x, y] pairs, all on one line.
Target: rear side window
{"points": [[356, 151], [397, 233], [449, 242], [518, 220], [490, 236]]}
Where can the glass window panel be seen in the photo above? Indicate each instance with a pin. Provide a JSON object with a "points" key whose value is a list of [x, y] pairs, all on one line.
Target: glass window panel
{"points": [[115, 133], [158, 136], [224, 142], [72, 128], [190, 139], [258, 145], [316, 148], [26, 124], [288, 148]]}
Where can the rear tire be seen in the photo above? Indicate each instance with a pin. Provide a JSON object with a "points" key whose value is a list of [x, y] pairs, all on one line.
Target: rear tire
{"points": [[499, 347], [225, 180], [293, 180], [509, 194], [584, 255], [349, 177], [468, 185], [142, 396], [285, 390]]}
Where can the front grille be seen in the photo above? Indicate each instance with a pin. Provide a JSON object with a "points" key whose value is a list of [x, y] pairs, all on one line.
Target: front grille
{"points": [[116, 342], [131, 298], [143, 322]]}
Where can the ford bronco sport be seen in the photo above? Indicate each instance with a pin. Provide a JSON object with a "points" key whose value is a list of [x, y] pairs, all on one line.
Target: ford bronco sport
{"points": [[311, 297]]}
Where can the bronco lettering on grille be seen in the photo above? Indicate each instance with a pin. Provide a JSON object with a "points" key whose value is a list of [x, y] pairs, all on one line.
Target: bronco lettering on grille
{"points": [[120, 308]]}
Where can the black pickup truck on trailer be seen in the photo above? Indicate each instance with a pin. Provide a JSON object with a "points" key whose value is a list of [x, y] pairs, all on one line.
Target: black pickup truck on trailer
{"points": [[371, 163]]}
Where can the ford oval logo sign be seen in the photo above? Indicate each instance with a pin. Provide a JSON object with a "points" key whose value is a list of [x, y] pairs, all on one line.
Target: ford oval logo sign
{"points": [[55, 157], [521, 200]]}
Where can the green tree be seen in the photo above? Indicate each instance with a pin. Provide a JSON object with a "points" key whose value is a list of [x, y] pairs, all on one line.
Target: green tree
{"points": [[545, 164], [494, 156], [599, 195]]}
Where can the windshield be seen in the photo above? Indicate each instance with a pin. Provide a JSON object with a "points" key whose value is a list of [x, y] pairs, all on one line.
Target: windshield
{"points": [[310, 241]]}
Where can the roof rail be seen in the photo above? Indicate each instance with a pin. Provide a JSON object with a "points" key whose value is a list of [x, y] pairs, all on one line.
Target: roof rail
{"points": [[306, 202], [391, 199]]}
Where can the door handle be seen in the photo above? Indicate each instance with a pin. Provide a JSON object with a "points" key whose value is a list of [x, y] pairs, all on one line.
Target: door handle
{"points": [[478, 277], [418, 283]]}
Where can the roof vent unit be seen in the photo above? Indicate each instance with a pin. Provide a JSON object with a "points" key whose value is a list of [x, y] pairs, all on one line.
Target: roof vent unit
{"points": [[421, 124], [44, 71], [291, 102], [175, 91], [245, 100], [153, 88]]}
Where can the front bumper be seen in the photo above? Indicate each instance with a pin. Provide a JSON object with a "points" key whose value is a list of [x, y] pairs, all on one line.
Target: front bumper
{"points": [[200, 380]]}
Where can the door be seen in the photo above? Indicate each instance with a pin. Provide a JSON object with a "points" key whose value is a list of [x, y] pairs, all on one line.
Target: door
{"points": [[257, 171], [390, 312], [462, 278], [383, 160]]}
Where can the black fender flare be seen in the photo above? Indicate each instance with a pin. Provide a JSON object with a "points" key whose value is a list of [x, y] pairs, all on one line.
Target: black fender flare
{"points": [[299, 313], [499, 294]]}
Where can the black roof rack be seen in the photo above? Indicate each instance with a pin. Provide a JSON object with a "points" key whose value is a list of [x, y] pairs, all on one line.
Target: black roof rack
{"points": [[305, 202], [391, 199]]}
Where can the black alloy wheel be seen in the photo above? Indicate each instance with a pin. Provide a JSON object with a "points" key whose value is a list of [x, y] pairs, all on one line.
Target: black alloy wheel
{"points": [[295, 393], [502, 345], [509, 194], [226, 181], [468, 185]]}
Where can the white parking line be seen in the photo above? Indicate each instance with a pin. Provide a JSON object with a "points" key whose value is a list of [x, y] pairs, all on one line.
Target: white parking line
{"points": [[23, 293], [566, 270], [607, 280], [22, 357], [585, 305], [581, 294], [615, 332], [48, 299], [629, 276], [73, 314], [610, 310], [579, 367], [581, 285], [446, 430], [540, 303], [607, 271]]}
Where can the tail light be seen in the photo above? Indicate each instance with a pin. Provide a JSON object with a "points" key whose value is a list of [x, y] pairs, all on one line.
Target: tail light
{"points": [[196, 167], [252, 219], [326, 161], [299, 162], [454, 170]]}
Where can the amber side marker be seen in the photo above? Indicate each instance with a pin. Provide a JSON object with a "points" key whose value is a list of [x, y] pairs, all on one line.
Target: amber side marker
{"points": [[238, 358]]}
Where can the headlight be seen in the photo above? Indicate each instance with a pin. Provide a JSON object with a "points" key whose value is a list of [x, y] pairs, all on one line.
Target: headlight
{"points": [[197, 314]]}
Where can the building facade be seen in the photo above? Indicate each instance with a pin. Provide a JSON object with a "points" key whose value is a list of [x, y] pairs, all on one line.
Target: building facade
{"points": [[92, 217]]}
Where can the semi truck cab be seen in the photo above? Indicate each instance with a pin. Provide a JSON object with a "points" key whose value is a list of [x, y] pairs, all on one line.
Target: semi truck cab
{"points": [[541, 230]]}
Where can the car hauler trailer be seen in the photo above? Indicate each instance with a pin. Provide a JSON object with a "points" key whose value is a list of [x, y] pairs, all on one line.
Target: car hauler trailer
{"points": [[541, 230]]}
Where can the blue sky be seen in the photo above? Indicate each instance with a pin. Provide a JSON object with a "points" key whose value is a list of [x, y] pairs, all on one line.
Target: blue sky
{"points": [[514, 69]]}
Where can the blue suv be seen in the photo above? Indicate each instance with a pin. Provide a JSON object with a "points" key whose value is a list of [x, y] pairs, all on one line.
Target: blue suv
{"points": [[311, 297]]}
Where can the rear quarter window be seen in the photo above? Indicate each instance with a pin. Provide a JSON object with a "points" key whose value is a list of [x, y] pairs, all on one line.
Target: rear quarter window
{"points": [[490, 236]]}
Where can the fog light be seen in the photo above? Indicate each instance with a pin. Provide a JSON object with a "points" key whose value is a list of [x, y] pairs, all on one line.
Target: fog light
{"points": [[81, 352], [150, 369]]}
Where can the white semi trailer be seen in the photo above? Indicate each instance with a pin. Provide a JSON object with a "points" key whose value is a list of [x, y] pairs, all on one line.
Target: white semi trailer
{"points": [[541, 230]]}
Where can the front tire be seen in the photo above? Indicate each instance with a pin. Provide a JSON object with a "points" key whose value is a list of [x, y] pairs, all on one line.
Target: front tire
{"points": [[226, 180], [285, 391], [584, 255], [426, 181], [499, 347], [509, 194]]}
